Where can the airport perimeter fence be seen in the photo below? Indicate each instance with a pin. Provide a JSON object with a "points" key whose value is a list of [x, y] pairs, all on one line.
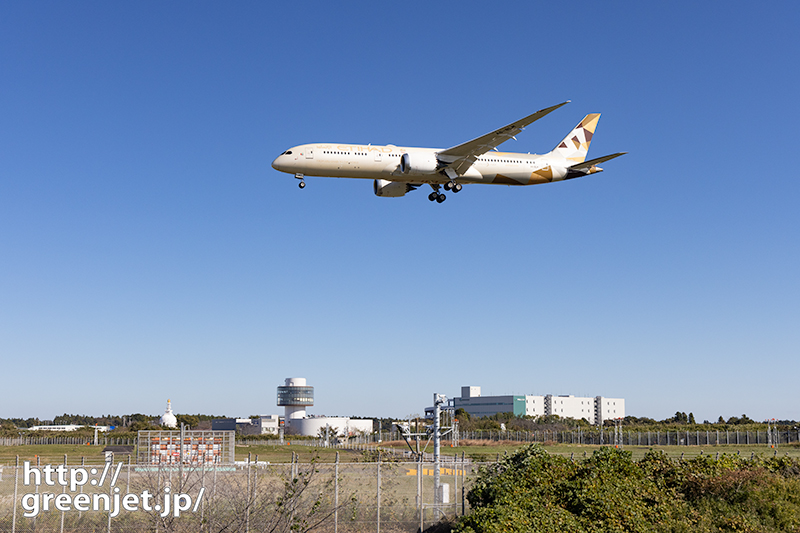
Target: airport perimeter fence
{"points": [[605, 436], [382, 496], [59, 439], [641, 438], [594, 436]]}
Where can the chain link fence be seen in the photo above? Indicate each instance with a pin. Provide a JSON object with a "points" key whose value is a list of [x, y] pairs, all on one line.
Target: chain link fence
{"points": [[388, 496], [392, 493], [625, 437], [602, 436]]}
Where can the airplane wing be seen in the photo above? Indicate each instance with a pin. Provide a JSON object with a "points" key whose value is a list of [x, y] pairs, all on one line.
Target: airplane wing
{"points": [[461, 157], [586, 165]]}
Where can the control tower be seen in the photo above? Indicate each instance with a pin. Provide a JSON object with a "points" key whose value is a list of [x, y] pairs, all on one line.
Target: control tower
{"points": [[295, 396]]}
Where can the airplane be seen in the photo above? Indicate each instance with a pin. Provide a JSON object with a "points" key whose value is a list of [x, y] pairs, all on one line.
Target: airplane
{"points": [[397, 170]]}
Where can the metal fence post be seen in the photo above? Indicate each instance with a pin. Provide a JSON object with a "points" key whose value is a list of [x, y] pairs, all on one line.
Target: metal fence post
{"points": [[455, 483], [255, 484], [247, 509], [463, 484], [110, 498], [378, 512], [202, 487], [14, 513], [83, 462], [63, 490], [419, 491], [336, 495], [158, 489]]}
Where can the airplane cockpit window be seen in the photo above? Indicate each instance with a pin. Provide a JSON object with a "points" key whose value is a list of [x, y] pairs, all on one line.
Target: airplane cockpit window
{"points": [[287, 152]]}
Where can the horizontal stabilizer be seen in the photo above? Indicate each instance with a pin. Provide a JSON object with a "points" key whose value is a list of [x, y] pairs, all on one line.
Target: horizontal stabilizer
{"points": [[586, 165]]}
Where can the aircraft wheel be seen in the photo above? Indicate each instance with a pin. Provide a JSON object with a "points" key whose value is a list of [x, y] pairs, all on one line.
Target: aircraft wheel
{"points": [[457, 187], [432, 196], [448, 185], [441, 198], [302, 184]]}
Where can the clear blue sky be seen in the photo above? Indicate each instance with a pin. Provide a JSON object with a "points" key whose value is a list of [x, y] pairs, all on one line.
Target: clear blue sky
{"points": [[149, 251]]}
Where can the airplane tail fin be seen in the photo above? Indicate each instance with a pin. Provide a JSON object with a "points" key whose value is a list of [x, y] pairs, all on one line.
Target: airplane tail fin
{"points": [[575, 146]]}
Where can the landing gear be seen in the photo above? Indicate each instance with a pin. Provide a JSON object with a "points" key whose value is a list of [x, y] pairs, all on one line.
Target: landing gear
{"points": [[302, 183], [452, 186], [436, 196]]}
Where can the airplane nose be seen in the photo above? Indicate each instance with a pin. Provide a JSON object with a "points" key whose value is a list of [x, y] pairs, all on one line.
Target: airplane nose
{"points": [[277, 164]]}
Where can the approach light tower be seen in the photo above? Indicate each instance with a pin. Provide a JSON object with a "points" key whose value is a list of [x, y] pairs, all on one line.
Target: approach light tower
{"points": [[295, 396]]}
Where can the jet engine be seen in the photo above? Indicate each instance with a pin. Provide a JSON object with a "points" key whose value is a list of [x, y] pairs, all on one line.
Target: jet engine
{"points": [[389, 189], [418, 164]]}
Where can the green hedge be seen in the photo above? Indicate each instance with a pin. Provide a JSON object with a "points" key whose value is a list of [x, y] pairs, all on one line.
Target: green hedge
{"points": [[533, 491]]}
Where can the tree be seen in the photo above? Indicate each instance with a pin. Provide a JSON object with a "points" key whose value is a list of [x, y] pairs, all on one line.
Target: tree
{"points": [[691, 418], [189, 421], [679, 418]]}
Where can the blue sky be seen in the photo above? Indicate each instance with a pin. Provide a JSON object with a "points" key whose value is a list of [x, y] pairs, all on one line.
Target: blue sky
{"points": [[149, 251]]}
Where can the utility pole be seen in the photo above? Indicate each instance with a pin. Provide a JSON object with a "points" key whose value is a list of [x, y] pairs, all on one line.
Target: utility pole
{"points": [[436, 433]]}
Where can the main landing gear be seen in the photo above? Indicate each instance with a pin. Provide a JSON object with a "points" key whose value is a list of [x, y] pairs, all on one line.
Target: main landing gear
{"points": [[302, 183], [452, 186], [439, 197], [436, 195]]}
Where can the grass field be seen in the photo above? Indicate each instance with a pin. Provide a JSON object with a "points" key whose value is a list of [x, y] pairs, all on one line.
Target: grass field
{"points": [[51, 454], [477, 451]]}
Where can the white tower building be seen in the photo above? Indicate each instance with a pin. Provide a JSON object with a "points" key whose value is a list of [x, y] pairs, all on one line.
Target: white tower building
{"points": [[295, 396], [168, 419]]}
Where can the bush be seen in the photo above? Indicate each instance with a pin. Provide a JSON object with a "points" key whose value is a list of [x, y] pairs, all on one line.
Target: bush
{"points": [[532, 491]]}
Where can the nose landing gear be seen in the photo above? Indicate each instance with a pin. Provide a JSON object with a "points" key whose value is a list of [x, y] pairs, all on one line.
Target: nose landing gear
{"points": [[302, 183]]}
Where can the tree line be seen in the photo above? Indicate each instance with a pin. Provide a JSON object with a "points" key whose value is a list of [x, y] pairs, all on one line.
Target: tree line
{"points": [[497, 422], [132, 422], [512, 422]]}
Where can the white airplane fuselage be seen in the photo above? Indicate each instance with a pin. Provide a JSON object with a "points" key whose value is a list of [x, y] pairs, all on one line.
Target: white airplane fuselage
{"points": [[383, 162], [397, 170]]}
